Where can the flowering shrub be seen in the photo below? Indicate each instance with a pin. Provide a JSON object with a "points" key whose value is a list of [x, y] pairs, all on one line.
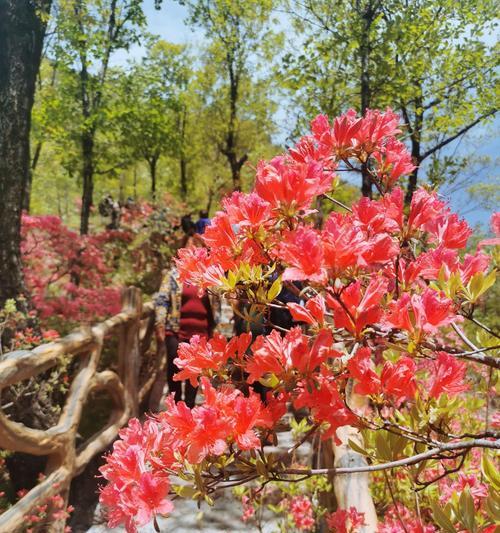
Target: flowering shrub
{"points": [[381, 288], [155, 236], [67, 274], [79, 277], [54, 508], [297, 507]]}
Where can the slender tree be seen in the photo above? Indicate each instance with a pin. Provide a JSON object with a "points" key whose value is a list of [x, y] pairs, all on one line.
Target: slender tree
{"points": [[90, 32], [238, 31], [153, 114], [22, 30]]}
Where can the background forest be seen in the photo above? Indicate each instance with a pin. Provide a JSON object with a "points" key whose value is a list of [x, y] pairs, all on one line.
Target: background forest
{"points": [[123, 112]]}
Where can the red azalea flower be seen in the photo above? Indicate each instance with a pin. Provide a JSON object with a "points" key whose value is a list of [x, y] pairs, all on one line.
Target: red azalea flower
{"points": [[447, 376]]}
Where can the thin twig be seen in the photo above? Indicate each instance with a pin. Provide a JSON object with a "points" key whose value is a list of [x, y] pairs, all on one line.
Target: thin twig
{"points": [[429, 454], [394, 502], [303, 439], [462, 335], [337, 202], [482, 326]]}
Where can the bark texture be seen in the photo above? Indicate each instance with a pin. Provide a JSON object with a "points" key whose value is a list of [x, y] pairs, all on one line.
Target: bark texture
{"points": [[22, 29], [367, 13]]}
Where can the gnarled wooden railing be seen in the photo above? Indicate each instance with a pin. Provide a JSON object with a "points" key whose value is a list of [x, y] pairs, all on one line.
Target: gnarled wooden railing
{"points": [[134, 326]]}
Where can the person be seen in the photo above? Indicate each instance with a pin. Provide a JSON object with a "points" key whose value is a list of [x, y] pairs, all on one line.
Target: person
{"points": [[180, 313], [109, 207], [276, 318], [187, 225], [202, 222]]}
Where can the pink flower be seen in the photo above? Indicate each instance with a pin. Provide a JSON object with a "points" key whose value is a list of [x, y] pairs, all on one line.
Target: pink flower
{"points": [[429, 312], [302, 250], [470, 482], [376, 127], [302, 513], [362, 369], [151, 498], [398, 379], [358, 307], [248, 509], [425, 207], [247, 210], [343, 242], [200, 356], [345, 520], [339, 139], [290, 186], [449, 231], [394, 161], [392, 521], [495, 228], [447, 376], [312, 313]]}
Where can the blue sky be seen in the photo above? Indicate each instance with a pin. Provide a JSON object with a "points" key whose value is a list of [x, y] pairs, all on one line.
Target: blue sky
{"points": [[169, 24]]}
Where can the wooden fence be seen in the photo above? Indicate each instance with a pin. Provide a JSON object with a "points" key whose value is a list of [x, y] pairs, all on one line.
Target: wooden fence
{"points": [[134, 327]]}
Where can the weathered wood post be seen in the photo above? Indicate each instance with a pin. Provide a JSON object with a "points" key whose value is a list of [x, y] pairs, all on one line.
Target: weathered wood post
{"points": [[353, 490], [129, 348]]}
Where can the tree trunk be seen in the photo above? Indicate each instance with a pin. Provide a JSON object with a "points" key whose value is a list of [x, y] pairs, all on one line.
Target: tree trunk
{"points": [[182, 119], [27, 191], [236, 165], [229, 150], [183, 169], [412, 186], [367, 15], [135, 182], [210, 199], [29, 181], [415, 136], [152, 171], [88, 180], [21, 38]]}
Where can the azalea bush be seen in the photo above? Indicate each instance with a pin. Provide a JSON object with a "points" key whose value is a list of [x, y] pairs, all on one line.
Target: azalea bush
{"points": [[387, 342], [73, 278], [67, 274]]}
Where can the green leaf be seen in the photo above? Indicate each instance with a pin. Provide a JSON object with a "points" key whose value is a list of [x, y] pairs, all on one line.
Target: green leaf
{"points": [[261, 468], [467, 510], [274, 290], [271, 380], [479, 284], [357, 448], [492, 507], [185, 491], [382, 446], [490, 472], [231, 278], [441, 518]]}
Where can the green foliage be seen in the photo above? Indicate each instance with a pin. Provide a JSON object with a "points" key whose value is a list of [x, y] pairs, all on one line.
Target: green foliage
{"points": [[433, 61], [236, 84]]}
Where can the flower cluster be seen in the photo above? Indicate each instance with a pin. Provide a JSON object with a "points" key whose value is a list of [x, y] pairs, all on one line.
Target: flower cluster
{"points": [[345, 521], [301, 509], [136, 471], [379, 283]]}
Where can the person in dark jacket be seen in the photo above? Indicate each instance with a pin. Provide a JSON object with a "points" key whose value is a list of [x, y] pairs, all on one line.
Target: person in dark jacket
{"points": [[202, 222]]}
